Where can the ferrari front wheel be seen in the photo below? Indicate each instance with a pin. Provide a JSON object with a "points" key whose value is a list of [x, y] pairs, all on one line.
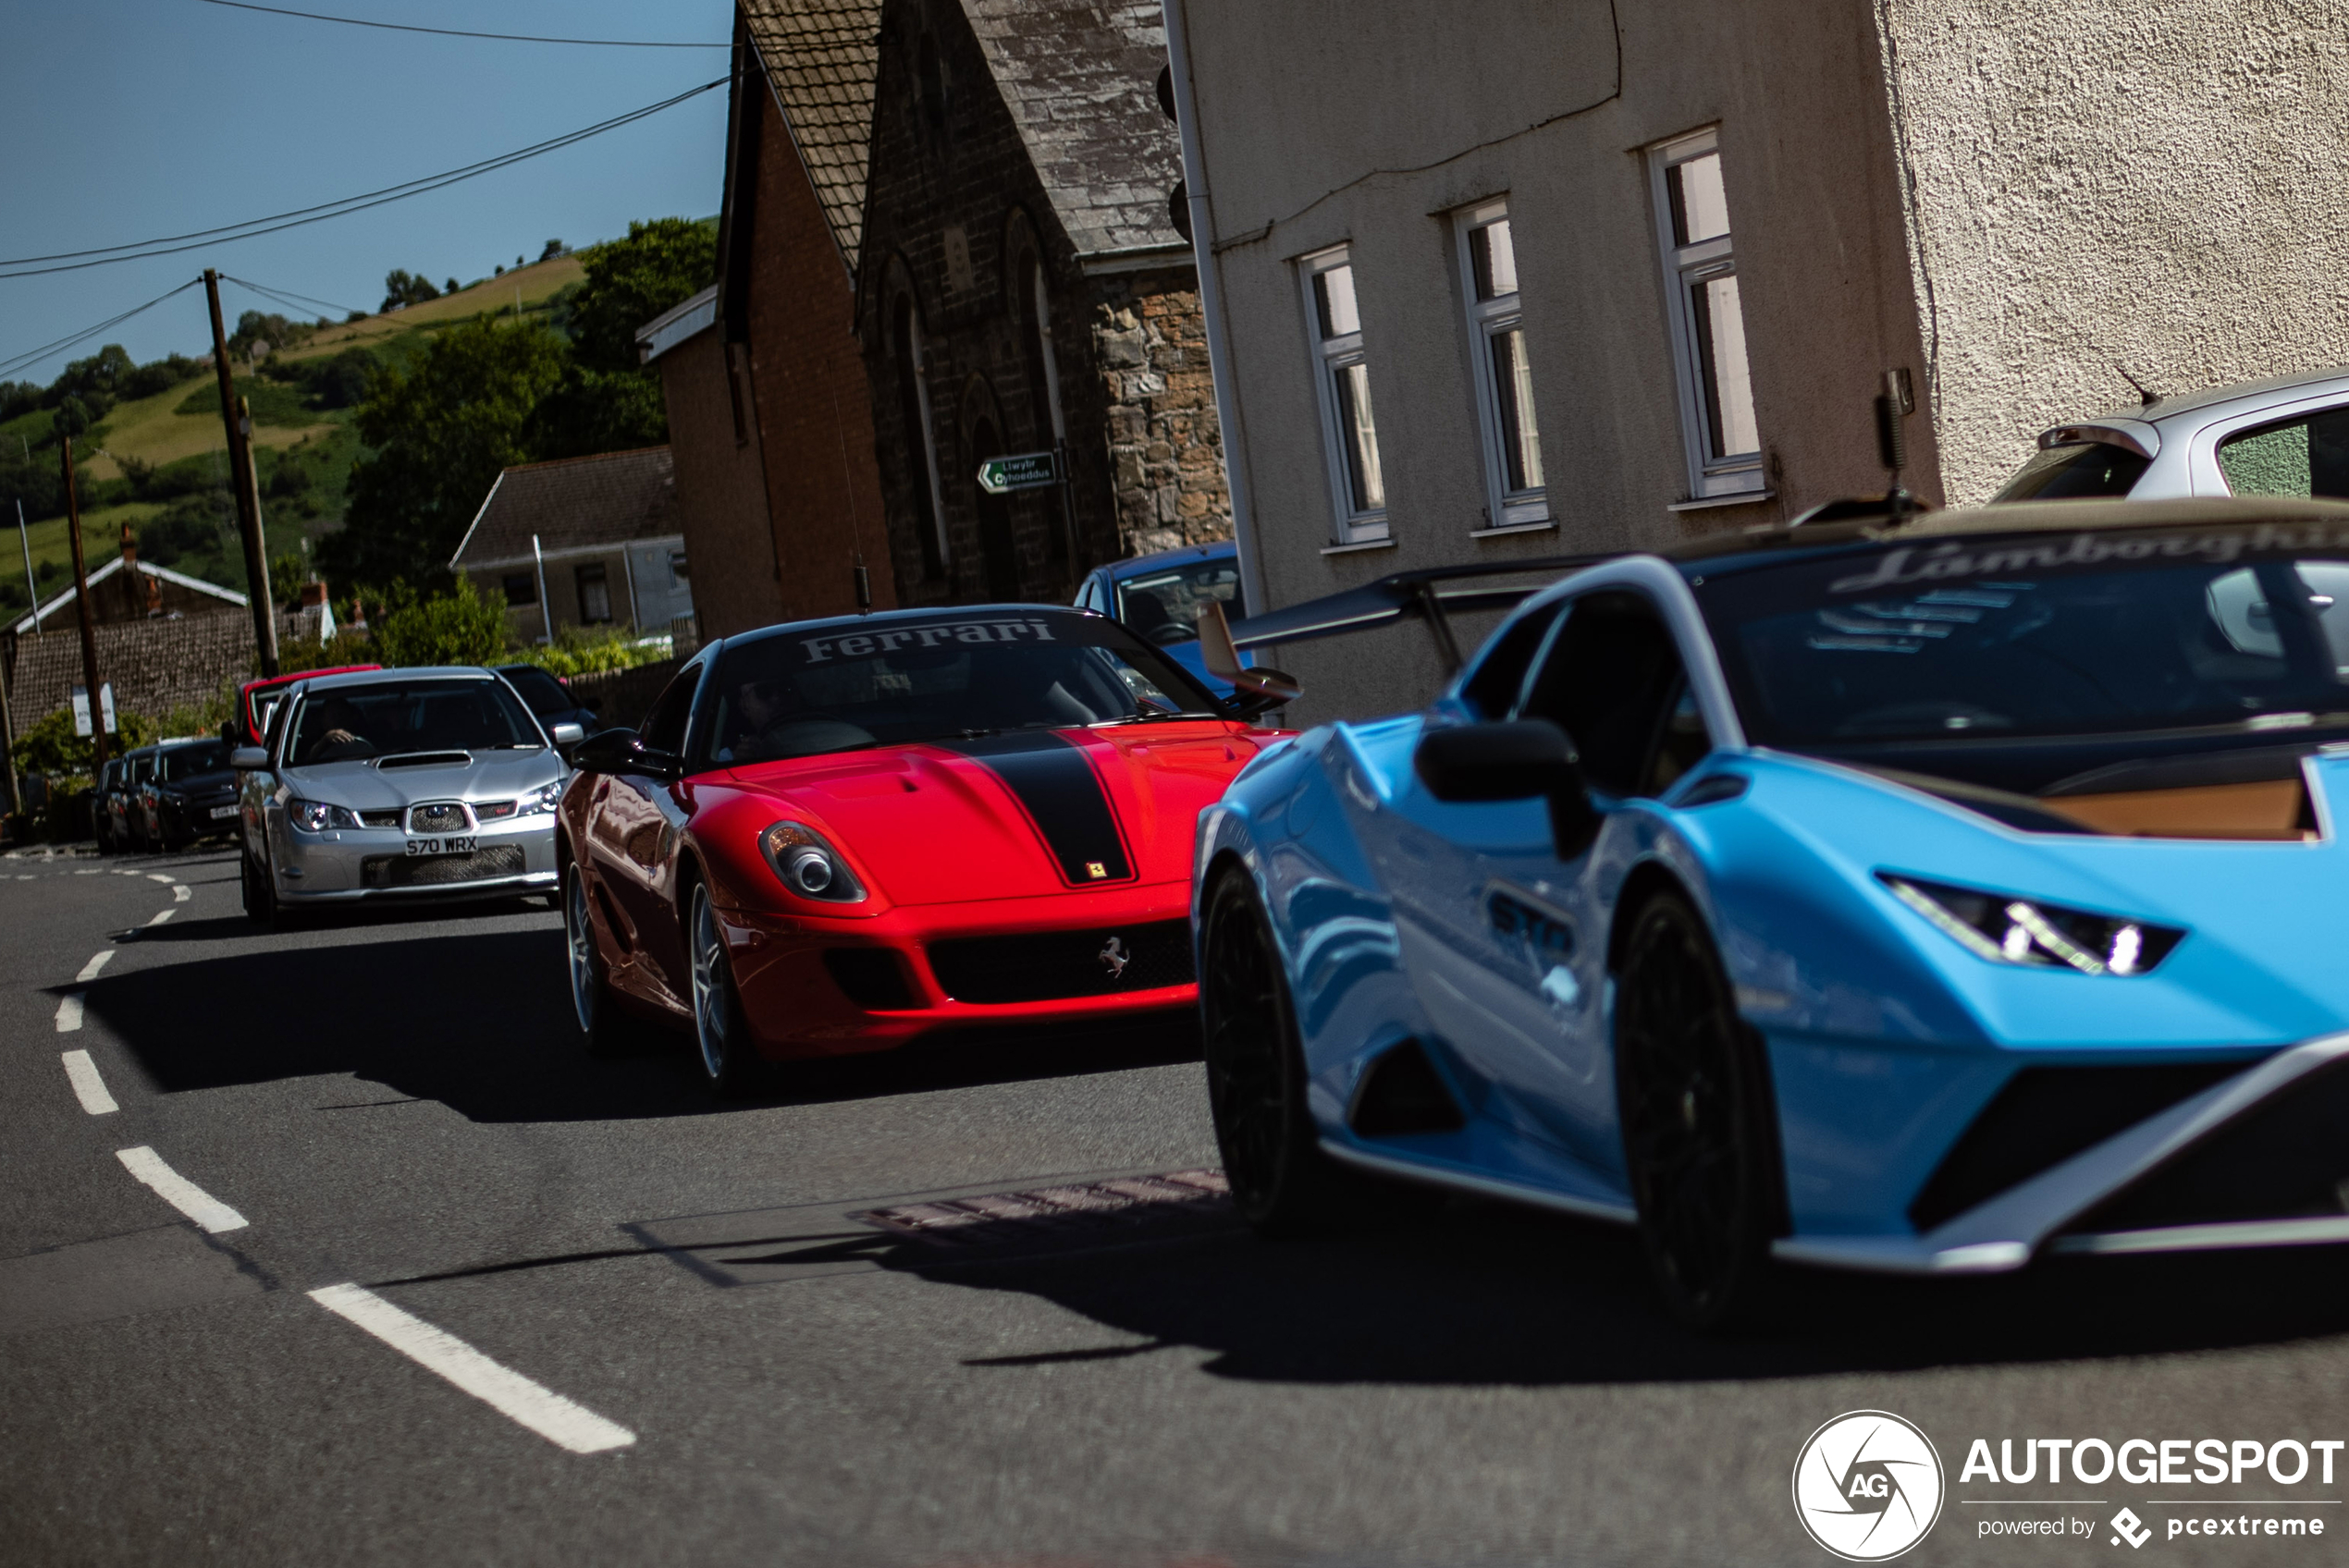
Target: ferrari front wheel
{"points": [[729, 1060], [1695, 1101], [1281, 1181]]}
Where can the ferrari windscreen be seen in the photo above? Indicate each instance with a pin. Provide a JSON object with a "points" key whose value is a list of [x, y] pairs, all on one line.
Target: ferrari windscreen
{"points": [[389, 717], [804, 691], [2042, 634]]}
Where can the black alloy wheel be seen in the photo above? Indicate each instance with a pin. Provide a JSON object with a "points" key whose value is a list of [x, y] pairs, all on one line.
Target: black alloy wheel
{"points": [[603, 1028], [729, 1059], [1282, 1183], [1696, 1109]]}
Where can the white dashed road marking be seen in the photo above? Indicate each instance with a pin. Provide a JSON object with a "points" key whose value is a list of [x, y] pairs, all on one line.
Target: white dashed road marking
{"points": [[90, 969], [163, 914], [509, 1393], [87, 1087], [68, 1013], [157, 876], [179, 892], [178, 1192]]}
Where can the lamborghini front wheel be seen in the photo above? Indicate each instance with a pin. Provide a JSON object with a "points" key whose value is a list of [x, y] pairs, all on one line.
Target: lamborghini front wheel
{"points": [[1697, 1112]]}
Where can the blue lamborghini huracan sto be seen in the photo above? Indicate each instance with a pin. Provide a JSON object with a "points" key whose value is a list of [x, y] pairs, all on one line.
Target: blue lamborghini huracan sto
{"points": [[1914, 893]]}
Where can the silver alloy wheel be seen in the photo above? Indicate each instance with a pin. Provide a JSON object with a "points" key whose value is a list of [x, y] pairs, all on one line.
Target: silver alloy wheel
{"points": [[709, 988], [580, 940]]}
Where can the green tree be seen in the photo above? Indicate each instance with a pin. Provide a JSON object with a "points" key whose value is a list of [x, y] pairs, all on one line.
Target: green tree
{"points": [[404, 287], [442, 429], [455, 628], [630, 281]]}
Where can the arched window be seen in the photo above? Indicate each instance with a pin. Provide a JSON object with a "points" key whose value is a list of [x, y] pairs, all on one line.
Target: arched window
{"points": [[913, 407]]}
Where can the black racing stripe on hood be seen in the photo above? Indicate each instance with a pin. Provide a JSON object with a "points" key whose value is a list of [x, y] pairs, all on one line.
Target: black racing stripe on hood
{"points": [[1054, 780]]}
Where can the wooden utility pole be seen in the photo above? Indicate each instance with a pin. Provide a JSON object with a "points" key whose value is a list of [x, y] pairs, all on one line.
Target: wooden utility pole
{"points": [[81, 611], [9, 732], [239, 423]]}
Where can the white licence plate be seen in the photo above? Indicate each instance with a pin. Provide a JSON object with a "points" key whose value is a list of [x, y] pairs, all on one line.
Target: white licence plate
{"points": [[464, 846], [221, 814]]}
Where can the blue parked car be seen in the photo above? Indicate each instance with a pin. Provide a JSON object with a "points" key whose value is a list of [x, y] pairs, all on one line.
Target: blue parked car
{"points": [[1158, 597], [1920, 894]]}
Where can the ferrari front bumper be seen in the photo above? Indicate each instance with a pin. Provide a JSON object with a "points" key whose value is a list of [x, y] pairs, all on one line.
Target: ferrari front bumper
{"points": [[2259, 1160], [816, 987]]}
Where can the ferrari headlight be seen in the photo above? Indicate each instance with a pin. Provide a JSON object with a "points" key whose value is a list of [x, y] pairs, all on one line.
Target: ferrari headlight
{"points": [[317, 816], [809, 867], [546, 798], [2005, 929]]}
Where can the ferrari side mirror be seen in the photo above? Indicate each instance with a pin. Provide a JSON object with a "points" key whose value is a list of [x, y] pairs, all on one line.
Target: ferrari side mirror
{"points": [[623, 751], [1511, 762], [248, 759]]}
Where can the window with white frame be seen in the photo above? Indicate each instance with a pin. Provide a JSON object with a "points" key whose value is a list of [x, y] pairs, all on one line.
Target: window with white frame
{"points": [[1350, 427], [1707, 323], [1504, 383]]}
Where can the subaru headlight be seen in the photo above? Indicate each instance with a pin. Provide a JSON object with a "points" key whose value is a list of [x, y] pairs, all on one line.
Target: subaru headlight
{"points": [[809, 867], [546, 798], [317, 816], [2035, 934]]}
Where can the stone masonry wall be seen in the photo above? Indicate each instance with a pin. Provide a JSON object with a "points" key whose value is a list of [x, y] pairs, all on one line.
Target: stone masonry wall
{"points": [[1166, 451]]}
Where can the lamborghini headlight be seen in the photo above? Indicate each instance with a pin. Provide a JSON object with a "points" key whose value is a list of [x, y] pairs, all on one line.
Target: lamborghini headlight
{"points": [[809, 867], [317, 816], [2030, 932]]}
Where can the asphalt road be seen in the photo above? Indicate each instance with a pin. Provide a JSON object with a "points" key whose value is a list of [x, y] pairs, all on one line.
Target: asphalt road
{"points": [[601, 1318]]}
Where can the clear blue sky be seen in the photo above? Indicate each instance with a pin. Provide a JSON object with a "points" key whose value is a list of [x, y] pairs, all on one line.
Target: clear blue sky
{"points": [[124, 120]]}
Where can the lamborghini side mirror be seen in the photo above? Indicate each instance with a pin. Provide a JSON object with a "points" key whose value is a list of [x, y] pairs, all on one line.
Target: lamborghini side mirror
{"points": [[1518, 761], [1253, 691]]}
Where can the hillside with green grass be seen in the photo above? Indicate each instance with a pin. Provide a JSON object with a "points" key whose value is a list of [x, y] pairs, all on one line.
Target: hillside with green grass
{"points": [[151, 451]]}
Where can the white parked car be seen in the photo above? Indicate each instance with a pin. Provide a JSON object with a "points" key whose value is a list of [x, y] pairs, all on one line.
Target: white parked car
{"points": [[2289, 436], [403, 785]]}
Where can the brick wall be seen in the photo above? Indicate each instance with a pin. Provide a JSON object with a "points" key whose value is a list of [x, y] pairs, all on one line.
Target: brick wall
{"points": [[807, 396], [722, 494], [153, 665]]}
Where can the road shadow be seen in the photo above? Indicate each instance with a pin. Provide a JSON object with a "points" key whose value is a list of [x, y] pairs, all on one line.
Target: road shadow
{"points": [[1476, 1292], [481, 1021]]}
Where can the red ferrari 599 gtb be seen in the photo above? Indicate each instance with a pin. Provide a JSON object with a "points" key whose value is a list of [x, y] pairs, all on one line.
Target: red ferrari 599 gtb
{"points": [[837, 835]]}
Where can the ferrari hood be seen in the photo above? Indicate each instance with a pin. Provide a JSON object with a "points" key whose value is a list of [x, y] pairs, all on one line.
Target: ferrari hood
{"points": [[1016, 814]]}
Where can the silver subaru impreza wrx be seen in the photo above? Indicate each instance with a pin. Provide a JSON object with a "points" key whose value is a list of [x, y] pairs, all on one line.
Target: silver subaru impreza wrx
{"points": [[400, 784]]}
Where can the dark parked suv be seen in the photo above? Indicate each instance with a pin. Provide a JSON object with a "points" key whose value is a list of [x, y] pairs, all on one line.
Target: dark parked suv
{"points": [[192, 793]]}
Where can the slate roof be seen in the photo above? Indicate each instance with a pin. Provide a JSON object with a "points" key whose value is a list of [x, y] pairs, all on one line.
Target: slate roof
{"points": [[573, 504], [1081, 79], [822, 57]]}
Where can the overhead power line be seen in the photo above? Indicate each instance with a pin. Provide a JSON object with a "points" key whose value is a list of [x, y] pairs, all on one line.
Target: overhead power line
{"points": [[106, 255], [287, 297], [459, 32], [35, 356]]}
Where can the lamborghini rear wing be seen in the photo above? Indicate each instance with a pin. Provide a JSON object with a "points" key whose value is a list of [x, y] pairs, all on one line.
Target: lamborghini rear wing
{"points": [[1432, 595]]}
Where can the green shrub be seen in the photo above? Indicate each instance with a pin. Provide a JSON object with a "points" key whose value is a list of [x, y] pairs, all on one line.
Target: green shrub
{"points": [[456, 627], [51, 747], [581, 649]]}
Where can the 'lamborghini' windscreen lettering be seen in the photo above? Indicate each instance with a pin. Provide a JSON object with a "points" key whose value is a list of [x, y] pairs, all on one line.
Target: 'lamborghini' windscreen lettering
{"points": [[957, 678], [2019, 636]]}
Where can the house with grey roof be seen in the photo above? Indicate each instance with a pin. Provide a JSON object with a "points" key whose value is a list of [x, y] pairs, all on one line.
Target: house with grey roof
{"points": [[587, 541], [1022, 288]]}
